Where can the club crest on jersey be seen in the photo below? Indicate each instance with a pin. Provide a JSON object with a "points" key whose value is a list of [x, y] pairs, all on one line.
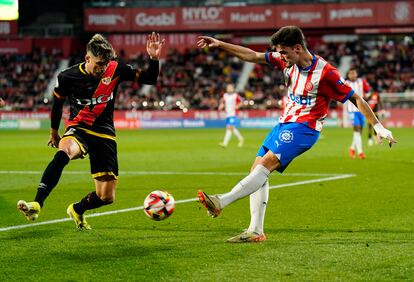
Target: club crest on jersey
{"points": [[106, 80], [286, 136], [309, 86]]}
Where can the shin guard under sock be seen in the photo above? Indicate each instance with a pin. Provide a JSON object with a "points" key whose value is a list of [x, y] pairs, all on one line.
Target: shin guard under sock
{"points": [[51, 176]]}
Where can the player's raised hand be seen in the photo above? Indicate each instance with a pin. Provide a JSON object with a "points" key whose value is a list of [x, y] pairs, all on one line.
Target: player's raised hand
{"points": [[204, 41], [383, 133], [154, 45], [54, 139]]}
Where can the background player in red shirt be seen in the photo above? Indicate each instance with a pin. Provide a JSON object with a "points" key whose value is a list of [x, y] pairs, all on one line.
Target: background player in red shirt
{"points": [[312, 83], [230, 103], [91, 88], [376, 105], [363, 89]]}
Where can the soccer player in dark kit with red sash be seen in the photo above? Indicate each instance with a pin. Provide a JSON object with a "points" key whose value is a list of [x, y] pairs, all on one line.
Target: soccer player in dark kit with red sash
{"points": [[91, 88]]}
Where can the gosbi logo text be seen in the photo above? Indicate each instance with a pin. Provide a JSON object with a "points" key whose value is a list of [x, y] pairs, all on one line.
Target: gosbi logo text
{"points": [[95, 100], [302, 100]]}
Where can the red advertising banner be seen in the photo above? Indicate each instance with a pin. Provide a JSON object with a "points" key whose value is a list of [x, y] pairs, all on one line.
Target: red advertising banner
{"points": [[107, 19], [301, 15], [250, 17], [353, 14], [8, 28], [136, 43], [202, 18], [16, 46], [396, 13], [372, 14], [162, 19], [391, 14]]}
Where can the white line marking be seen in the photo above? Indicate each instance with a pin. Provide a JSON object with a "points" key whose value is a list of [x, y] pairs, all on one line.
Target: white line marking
{"points": [[166, 173], [342, 176]]}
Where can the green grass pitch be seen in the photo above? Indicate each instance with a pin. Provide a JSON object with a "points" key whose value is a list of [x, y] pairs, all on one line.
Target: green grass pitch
{"points": [[356, 228]]}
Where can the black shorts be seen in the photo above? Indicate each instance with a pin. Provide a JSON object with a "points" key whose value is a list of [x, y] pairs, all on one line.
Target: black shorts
{"points": [[101, 148]]}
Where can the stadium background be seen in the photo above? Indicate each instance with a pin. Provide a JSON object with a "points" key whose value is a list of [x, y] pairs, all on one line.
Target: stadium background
{"points": [[374, 36], [329, 217]]}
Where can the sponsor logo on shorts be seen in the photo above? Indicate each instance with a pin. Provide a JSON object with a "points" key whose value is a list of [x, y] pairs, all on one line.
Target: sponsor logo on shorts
{"points": [[286, 136]]}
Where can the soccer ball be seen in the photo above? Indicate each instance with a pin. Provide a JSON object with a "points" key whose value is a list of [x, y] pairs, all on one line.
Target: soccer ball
{"points": [[159, 205]]}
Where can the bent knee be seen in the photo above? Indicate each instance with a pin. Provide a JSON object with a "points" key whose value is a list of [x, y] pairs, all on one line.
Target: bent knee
{"points": [[108, 199]]}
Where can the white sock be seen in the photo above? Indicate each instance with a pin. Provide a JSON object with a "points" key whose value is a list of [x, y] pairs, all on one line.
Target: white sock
{"points": [[237, 133], [227, 137], [258, 203], [248, 185], [358, 141], [353, 142]]}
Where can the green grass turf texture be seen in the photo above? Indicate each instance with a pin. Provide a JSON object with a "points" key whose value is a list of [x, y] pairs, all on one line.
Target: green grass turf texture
{"points": [[359, 228]]}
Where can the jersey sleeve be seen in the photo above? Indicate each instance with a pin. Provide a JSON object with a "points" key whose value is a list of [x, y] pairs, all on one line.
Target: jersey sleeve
{"points": [[238, 99], [60, 91], [334, 86], [147, 76], [127, 72], [273, 58], [367, 87]]}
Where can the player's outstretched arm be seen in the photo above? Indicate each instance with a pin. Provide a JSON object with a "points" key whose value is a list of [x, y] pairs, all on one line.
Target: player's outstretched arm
{"points": [[154, 45], [241, 52], [363, 107], [154, 48]]}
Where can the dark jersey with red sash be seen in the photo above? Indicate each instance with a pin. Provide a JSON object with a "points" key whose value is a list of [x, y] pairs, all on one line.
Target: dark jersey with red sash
{"points": [[92, 99], [374, 101]]}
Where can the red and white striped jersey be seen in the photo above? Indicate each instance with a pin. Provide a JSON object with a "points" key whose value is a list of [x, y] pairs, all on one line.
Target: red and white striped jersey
{"points": [[230, 103], [362, 88], [310, 90]]}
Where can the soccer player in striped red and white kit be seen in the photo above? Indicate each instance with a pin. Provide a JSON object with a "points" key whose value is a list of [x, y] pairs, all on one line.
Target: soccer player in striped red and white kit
{"points": [[230, 102], [312, 83], [363, 89]]}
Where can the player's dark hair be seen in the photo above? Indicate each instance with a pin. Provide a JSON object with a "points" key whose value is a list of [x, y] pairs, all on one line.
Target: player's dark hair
{"points": [[351, 69], [288, 36], [100, 47]]}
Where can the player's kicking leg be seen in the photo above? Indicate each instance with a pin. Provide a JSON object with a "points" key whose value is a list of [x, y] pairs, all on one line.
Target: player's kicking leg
{"points": [[30, 210], [211, 203]]}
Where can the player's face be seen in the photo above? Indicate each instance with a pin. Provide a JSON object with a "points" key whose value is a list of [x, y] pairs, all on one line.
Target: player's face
{"points": [[95, 65], [352, 75], [230, 88], [290, 55]]}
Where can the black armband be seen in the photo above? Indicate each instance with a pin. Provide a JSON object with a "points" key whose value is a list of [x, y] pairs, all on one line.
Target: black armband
{"points": [[56, 114], [150, 75]]}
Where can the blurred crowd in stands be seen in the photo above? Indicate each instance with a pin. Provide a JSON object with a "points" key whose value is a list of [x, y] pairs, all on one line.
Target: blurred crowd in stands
{"points": [[24, 79], [195, 79]]}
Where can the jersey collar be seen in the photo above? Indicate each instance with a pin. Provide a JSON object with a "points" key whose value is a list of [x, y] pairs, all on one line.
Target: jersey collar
{"points": [[82, 68], [311, 65]]}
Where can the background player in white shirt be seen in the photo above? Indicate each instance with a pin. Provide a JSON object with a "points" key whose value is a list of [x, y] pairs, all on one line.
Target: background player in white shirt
{"points": [[230, 102], [312, 83], [363, 89]]}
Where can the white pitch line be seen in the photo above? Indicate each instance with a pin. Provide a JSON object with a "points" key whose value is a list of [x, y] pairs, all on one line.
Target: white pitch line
{"points": [[342, 176], [167, 173]]}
